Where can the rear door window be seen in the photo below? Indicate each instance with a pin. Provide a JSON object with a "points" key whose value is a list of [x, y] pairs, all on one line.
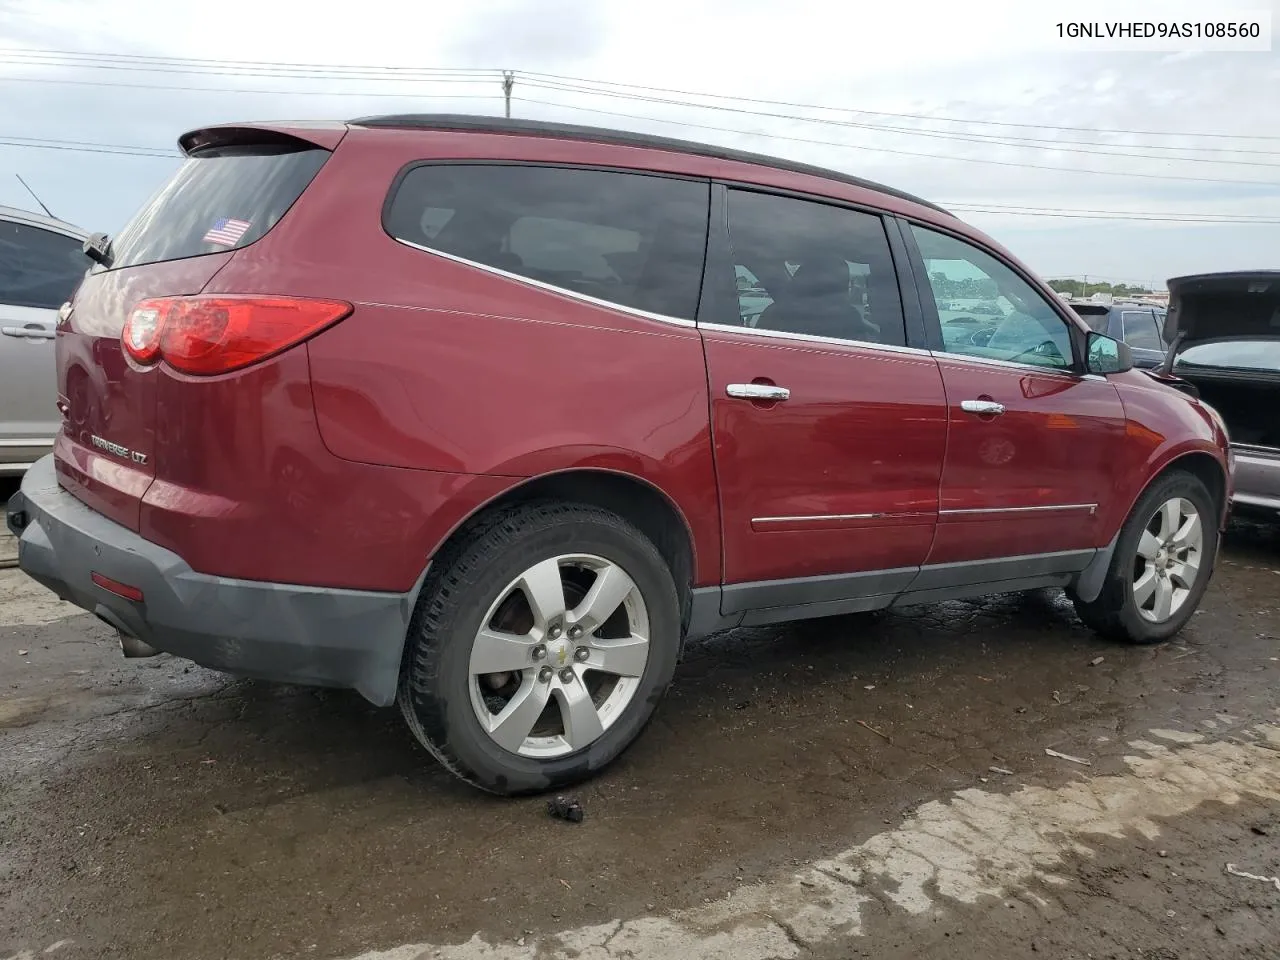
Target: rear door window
{"points": [[219, 200], [38, 268], [626, 238], [812, 268]]}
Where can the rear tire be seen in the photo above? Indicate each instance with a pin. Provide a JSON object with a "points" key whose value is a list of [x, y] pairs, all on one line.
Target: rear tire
{"points": [[509, 673], [1161, 566]]}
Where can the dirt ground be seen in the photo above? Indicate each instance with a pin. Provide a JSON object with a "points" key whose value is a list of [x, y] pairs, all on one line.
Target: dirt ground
{"points": [[865, 786]]}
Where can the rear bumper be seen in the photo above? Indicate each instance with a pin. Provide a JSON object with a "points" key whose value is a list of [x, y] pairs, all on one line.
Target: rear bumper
{"points": [[293, 634]]}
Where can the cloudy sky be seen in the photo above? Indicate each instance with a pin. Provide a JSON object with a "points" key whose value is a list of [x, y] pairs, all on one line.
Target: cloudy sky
{"points": [[979, 106]]}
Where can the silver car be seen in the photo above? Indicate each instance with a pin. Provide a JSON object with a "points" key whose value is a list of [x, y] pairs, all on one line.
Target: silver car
{"points": [[40, 264], [1224, 336]]}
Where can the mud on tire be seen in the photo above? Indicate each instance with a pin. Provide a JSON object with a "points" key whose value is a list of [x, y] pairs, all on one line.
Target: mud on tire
{"points": [[1116, 612]]}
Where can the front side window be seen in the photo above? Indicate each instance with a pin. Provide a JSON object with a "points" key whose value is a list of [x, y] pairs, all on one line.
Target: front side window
{"points": [[986, 310], [811, 268], [1140, 329], [38, 268], [626, 238]]}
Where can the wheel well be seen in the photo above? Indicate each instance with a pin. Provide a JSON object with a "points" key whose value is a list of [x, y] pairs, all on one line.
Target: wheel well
{"points": [[1205, 468], [636, 501]]}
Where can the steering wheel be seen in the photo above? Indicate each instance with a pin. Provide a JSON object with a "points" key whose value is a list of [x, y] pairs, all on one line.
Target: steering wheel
{"points": [[1047, 350]]}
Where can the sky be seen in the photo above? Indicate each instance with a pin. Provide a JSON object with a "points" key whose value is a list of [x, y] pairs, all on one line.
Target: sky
{"points": [[918, 67]]}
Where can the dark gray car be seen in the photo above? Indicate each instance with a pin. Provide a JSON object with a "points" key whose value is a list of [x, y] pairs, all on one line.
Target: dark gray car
{"points": [[40, 264], [1224, 336], [1136, 323]]}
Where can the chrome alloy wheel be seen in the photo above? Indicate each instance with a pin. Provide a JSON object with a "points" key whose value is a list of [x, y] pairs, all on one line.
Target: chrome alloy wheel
{"points": [[559, 656], [1170, 552]]}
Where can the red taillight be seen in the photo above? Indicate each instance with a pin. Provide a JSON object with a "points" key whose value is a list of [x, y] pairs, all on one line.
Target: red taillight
{"points": [[116, 587], [216, 334]]}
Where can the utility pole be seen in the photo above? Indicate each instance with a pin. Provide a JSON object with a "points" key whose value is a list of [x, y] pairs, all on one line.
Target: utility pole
{"points": [[508, 81]]}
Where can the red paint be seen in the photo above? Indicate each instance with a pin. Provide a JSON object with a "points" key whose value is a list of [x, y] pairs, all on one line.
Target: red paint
{"points": [[1058, 444], [863, 432], [346, 460]]}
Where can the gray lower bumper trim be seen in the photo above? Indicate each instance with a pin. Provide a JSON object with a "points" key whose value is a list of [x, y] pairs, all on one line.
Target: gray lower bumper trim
{"points": [[293, 634]]}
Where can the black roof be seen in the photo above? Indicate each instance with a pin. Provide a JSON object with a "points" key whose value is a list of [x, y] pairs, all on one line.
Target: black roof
{"points": [[626, 138]]}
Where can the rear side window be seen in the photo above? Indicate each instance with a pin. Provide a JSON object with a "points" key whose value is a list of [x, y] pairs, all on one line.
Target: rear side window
{"points": [[815, 269], [38, 268], [626, 238], [219, 200]]}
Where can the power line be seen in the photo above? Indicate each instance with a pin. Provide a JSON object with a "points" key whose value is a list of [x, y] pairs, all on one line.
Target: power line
{"points": [[906, 116], [1119, 216], [222, 62], [248, 69], [980, 138], [905, 131], [281, 93], [383, 72], [79, 147], [905, 153], [1242, 217]]}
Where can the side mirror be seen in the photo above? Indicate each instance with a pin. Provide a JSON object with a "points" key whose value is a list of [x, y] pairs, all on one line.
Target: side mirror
{"points": [[98, 249], [1106, 355]]}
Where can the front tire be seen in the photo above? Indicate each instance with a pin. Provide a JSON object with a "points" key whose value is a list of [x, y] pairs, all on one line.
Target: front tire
{"points": [[539, 647], [1161, 566]]}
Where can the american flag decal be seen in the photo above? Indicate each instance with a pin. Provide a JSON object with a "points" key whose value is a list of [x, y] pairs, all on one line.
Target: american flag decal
{"points": [[227, 231]]}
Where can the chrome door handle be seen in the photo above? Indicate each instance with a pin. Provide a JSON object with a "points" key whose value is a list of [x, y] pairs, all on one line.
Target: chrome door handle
{"points": [[988, 407], [28, 333], [757, 391]]}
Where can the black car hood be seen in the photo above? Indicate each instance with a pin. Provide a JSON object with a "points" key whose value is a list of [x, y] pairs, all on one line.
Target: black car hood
{"points": [[1220, 306]]}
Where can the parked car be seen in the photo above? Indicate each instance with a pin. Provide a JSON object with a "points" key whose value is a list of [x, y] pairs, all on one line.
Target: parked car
{"points": [[40, 264], [1136, 323], [463, 413], [1224, 332]]}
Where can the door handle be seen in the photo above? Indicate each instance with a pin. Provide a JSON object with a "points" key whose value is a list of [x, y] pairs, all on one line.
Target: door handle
{"points": [[757, 391], [987, 407], [28, 333]]}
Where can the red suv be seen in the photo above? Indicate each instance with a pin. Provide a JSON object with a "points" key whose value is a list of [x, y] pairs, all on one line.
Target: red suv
{"points": [[486, 418]]}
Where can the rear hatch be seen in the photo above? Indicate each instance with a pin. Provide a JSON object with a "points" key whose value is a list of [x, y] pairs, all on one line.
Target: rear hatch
{"points": [[1223, 306], [234, 186]]}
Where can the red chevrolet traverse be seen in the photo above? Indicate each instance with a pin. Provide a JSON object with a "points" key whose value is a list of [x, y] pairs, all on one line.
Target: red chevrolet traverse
{"points": [[486, 418]]}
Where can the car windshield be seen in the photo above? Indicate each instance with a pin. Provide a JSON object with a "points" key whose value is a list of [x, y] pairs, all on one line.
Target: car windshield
{"points": [[1233, 355]]}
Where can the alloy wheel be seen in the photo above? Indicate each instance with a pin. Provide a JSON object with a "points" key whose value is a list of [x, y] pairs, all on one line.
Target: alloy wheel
{"points": [[1170, 552], [559, 656]]}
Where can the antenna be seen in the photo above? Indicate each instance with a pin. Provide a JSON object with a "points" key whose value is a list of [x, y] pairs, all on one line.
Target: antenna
{"points": [[47, 211]]}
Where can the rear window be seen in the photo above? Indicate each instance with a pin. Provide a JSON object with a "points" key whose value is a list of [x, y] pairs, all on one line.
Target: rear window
{"points": [[626, 238], [38, 268], [1095, 317], [219, 200]]}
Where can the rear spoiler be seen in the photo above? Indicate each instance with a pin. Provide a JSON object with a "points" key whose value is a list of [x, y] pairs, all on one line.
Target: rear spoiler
{"points": [[325, 135]]}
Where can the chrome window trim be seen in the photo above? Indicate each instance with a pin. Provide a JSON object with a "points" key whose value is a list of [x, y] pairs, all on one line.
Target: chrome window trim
{"points": [[810, 338], [1091, 507], [941, 355], [549, 287]]}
